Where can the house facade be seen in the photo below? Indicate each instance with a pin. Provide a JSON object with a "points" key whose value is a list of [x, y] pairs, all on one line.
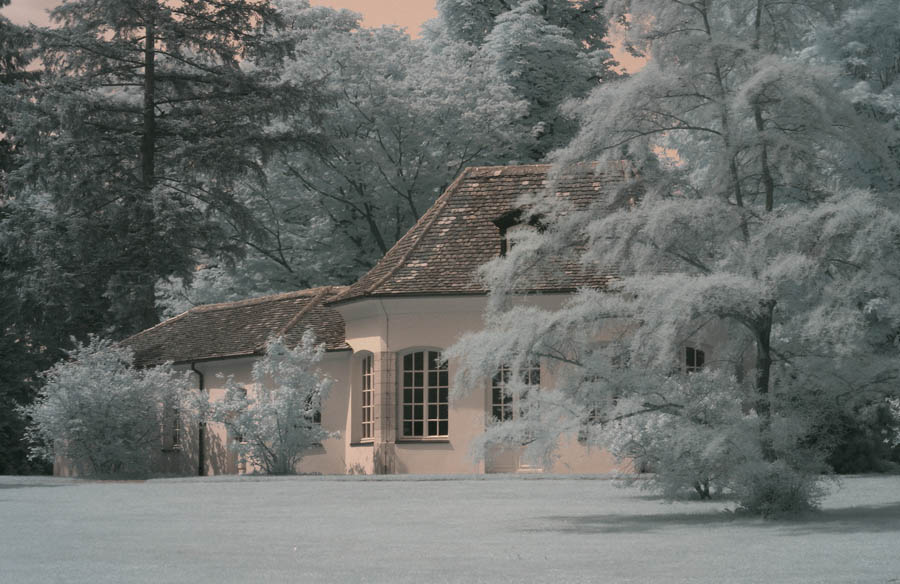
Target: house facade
{"points": [[390, 406]]}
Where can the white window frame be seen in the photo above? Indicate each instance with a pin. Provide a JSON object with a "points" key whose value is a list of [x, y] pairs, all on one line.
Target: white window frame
{"points": [[367, 398], [423, 405]]}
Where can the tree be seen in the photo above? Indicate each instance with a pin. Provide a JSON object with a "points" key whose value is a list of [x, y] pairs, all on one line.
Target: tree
{"points": [[103, 415], [408, 119], [278, 418], [146, 114], [759, 217], [548, 51]]}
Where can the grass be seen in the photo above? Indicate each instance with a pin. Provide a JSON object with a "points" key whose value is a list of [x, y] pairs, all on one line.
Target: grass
{"points": [[429, 530]]}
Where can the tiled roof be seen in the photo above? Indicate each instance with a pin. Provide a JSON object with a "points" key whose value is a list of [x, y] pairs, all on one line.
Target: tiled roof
{"points": [[236, 329], [443, 250]]}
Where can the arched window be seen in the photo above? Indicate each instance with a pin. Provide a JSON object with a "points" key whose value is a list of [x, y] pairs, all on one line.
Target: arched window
{"points": [[367, 385], [424, 395]]}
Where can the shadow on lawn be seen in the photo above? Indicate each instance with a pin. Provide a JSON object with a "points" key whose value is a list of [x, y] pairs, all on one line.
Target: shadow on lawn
{"points": [[863, 519]]}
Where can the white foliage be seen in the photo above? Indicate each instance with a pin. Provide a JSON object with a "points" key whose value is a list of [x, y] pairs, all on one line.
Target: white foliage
{"points": [[772, 237], [276, 417], [101, 414]]}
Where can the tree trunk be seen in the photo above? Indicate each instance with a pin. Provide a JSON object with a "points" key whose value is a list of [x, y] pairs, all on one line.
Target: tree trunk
{"points": [[148, 138], [763, 334]]}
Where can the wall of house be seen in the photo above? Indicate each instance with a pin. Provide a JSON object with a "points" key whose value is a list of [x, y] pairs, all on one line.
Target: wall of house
{"points": [[328, 458], [391, 327]]}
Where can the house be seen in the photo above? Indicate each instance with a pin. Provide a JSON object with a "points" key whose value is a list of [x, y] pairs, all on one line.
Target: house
{"points": [[383, 336]]}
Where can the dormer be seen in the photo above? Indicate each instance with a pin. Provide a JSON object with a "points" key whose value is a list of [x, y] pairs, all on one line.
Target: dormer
{"points": [[512, 221]]}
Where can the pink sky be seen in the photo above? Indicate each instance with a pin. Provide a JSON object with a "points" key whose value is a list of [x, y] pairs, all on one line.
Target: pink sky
{"points": [[407, 13]]}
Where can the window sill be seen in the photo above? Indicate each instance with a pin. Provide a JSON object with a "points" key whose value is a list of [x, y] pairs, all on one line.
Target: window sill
{"points": [[366, 443], [423, 441]]}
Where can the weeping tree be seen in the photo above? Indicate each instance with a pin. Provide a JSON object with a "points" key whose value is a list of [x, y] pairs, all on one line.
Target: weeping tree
{"points": [[757, 221]]}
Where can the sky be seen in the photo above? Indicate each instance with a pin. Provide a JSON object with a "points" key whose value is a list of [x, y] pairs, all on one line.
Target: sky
{"points": [[406, 13], [409, 14]]}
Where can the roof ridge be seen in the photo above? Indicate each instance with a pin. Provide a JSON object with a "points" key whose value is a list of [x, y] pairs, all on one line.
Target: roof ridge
{"points": [[305, 293], [437, 207], [313, 302]]}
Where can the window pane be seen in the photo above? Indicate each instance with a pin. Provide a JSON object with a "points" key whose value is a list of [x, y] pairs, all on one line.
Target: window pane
{"points": [[443, 394], [443, 411], [417, 412], [432, 428], [443, 378], [407, 412], [417, 429], [443, 429], [407, 429], [419, 361], [408, 362], [432, 379], [407, 395], [432, 394], [418, 395], [419, 380], [432, 411]]}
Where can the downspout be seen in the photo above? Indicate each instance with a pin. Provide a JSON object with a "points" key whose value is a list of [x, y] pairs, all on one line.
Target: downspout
{"points": [[201, 430]]}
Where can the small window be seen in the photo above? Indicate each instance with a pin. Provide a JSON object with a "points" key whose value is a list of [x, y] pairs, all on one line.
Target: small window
{"points": [[424, 395], [176, 428], [504, 406], [368, 399], [593, 422], [693, 359], [171, 430], [512, 221]]}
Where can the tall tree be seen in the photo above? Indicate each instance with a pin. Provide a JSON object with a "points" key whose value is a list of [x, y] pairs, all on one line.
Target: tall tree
{"points": [[147, 113], [18, 364], [759, 219]]}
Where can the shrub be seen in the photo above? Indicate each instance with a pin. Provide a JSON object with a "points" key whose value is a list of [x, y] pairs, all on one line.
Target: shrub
{"points": [[100, 413], [773, 489]]}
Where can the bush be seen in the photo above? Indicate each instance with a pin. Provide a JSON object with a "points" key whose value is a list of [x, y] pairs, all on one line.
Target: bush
{"points": [[773, 489], [279, 419], [100, 413]]}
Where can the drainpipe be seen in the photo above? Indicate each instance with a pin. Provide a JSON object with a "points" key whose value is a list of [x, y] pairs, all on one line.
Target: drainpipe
{"points": [[201, 431]]}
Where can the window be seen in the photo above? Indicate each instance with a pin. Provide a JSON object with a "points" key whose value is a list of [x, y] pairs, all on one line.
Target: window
{"points": [[513, 220], [693, 359], [424, 395], [503, 405], [176, 428], [368, 399], [171, 428]]}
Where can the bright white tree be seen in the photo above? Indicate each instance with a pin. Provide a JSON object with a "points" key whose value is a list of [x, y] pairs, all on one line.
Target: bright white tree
{"points": [[759, 219], [102, 414], [277, 419]]}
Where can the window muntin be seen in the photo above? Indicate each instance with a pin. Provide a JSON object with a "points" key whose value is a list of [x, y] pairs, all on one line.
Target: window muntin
{"points": [[368, 398], [694, 359], [503, 403], [424, 395]]}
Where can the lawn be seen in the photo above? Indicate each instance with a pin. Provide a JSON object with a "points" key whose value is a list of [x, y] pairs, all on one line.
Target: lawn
{"points": [[429, 530]]}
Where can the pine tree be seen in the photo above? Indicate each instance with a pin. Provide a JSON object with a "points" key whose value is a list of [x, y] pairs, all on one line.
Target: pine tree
{"points": [[146, 114]]}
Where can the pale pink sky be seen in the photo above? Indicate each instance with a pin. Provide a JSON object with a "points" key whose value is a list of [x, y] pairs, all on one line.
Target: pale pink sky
{"points": [[407, 13]]}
